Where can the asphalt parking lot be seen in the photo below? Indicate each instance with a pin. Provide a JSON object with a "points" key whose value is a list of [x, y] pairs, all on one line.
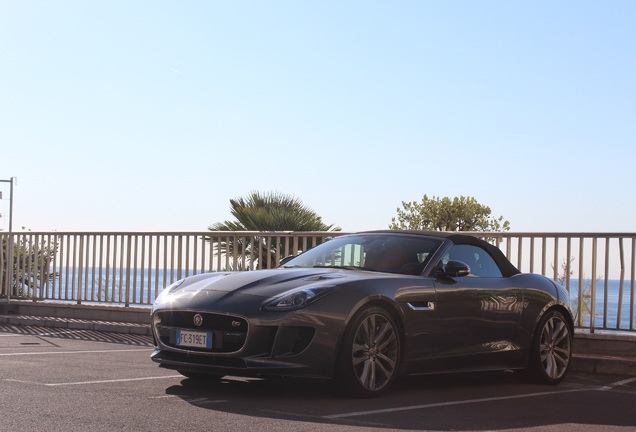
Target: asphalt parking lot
{"points": [[78, 380]]}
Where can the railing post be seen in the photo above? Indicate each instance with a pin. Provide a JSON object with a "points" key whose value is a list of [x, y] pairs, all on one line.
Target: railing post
{"points": [[128, 263], [9, 270], [568, 253], [619, 311], [593, 288], [632, 295], [79, 269], [581, 298], [555, 260], [606, 281]]}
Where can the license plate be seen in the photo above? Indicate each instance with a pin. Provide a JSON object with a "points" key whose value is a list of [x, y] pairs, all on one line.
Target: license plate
{"points": [[187, 338]]}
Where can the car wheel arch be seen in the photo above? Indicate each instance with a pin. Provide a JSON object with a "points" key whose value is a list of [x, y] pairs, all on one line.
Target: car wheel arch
{"points": [[549, 359], [557, 307], [376, 301], [380, 301]]}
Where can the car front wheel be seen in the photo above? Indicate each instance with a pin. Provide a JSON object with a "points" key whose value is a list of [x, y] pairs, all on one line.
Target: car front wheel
{"points": [[370, 354], [551, 349]]}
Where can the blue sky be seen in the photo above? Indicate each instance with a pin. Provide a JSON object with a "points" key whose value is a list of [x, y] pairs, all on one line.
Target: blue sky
{"points": [[151, 115]]}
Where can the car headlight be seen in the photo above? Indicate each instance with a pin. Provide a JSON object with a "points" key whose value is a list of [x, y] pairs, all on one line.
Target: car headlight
{"points": [[298, 298]]}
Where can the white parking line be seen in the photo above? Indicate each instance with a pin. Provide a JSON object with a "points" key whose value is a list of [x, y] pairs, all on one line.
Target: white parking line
{"points": [[612, 386], [94, 382], [196, 401], [442, 404], [72, 352], [113, 381]]}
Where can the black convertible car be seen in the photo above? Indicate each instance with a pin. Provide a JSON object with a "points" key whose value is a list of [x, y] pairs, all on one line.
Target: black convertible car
{"points": [[366, 308]]}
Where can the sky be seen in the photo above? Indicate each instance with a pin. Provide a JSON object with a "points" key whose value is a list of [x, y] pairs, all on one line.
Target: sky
{"points": [[151, 115]]}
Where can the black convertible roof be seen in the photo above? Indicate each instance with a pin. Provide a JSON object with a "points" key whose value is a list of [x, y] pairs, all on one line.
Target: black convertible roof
{"points": [[504, 264]]}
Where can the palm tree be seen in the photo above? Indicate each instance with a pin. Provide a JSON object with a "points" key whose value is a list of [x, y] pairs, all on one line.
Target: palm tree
{"points": [[266, 212]]}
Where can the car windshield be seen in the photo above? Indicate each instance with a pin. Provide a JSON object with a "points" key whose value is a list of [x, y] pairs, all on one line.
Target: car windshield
{"points": [[392, 253]]}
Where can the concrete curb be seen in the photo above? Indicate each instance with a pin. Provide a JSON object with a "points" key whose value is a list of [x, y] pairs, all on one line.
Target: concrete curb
{"points": [[76, 324], [91, 312], [102, 318]]}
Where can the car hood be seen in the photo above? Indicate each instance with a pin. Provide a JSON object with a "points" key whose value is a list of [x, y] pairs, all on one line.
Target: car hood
{"points": [[262, 284]]}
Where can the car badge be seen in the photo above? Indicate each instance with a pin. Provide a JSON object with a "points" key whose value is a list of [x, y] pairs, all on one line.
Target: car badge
{"points": [[198, 320], [236, 323]]}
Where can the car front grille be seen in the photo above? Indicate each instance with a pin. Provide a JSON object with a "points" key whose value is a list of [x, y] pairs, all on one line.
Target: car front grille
{"points": [[228, 332]]}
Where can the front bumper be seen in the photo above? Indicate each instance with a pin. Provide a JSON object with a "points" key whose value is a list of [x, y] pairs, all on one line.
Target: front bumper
{"points": [[292, 345]]}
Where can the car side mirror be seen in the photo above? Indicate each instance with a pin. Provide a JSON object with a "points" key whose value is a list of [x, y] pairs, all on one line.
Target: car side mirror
{"points": [[453, 269]]}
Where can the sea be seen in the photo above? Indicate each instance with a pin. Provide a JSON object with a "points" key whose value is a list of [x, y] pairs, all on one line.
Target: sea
{"points": [[605, 318]]}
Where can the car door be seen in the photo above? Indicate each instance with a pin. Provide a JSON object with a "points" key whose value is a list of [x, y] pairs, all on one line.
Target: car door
{"points": [[417, 301], [475, 315]]}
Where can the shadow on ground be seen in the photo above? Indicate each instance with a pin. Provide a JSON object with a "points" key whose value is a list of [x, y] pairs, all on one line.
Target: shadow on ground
{"points": [[85, 335], [478, 401]]}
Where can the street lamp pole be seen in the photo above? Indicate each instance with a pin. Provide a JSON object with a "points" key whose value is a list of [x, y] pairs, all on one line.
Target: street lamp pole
{"points": [[9, 271]]}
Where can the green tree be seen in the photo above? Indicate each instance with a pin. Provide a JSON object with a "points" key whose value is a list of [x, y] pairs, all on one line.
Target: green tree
{"points": [[582, 304], [31, 266], [446, 214], [265, 212]]}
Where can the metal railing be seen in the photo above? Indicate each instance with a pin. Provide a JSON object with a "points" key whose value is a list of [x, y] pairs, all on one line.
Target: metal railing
{"points": [[131, 268], [597, 269]]}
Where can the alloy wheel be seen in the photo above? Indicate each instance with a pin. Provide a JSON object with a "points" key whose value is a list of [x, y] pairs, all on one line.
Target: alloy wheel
{"points": [[555, 347], [375, 352]]}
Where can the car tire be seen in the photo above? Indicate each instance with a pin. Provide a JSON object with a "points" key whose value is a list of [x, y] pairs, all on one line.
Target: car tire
{"points": [[551, 350], [370, 354]]}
